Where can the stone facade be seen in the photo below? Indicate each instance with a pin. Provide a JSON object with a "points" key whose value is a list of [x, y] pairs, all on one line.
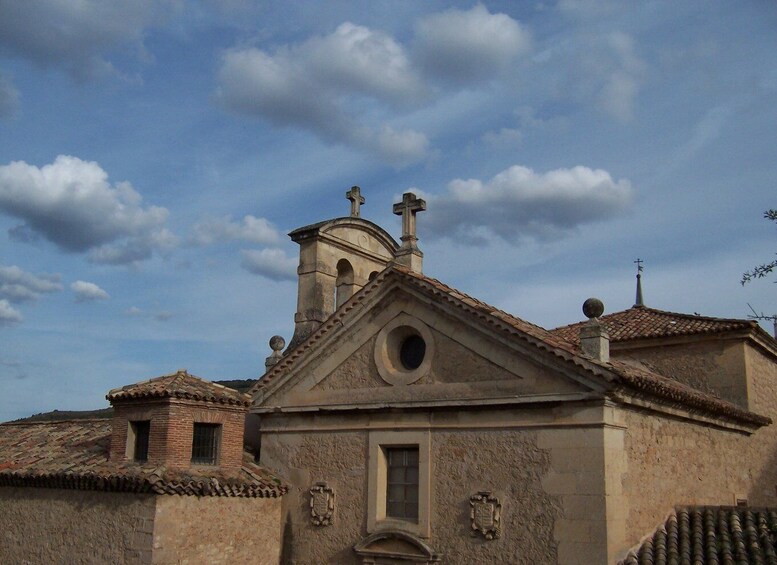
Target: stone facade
{"points": [[532, 448]]}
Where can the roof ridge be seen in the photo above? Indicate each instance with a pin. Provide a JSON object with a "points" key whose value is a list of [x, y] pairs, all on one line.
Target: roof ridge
{"points": [[49, 422], [693, 316]]}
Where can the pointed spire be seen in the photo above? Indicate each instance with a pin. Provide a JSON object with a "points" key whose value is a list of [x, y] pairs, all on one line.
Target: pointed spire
{"points": [[639, 302]]}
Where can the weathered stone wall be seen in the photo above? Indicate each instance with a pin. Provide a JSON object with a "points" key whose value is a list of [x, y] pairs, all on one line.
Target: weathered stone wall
{"points": [[673, 461], [340, 459], [511, 465], [711, 365], [68, 527], [217, 530]]}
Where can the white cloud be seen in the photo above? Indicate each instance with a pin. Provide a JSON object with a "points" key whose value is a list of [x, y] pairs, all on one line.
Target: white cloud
{"points": [[505, 136], [518, 203], [329, 85], [270, 263], [357, 59], [8, 314], [9, 98], [588, 9], [250, 228], [71, 204], [602, 70], [75, 35], [87, 291], [468, 46], [17, 285]]}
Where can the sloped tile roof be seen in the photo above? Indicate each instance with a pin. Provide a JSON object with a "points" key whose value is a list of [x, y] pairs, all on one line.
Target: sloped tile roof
{"points": [[710, 535], [641, 322], [74, 455], [618, 374], [180, 385]]}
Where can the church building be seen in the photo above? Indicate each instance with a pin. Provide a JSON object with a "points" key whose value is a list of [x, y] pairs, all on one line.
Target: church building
{"points": [[410, 423]]}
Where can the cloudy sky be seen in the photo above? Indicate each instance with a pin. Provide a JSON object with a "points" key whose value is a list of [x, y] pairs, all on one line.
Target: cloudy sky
{"points": [[154, 154]]}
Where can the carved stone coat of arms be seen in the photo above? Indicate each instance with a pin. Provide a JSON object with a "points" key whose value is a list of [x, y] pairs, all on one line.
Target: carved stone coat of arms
{"points": [[486, 515], [322, 504]]}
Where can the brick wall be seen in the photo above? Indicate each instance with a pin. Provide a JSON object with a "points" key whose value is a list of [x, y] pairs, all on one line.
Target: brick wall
{"points": [[172, 427]]}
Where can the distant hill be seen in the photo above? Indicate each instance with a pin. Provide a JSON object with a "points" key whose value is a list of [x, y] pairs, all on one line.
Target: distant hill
{"points": [[240, 385]]}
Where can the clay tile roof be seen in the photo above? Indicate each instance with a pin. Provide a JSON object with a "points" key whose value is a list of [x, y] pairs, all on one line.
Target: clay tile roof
{"points": [[709, 534], [74, 455], [180, 385], [641, 322]]}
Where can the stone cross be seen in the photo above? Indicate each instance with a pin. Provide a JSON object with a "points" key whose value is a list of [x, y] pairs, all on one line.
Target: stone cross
{"points": [[408, 208], [356, 198]]}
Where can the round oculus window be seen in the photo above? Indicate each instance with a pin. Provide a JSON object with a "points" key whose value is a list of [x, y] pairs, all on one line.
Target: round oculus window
{"points": [[404, 350], [412, 352]]}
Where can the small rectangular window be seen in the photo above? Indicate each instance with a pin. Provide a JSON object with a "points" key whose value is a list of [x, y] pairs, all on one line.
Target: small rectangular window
{"points": [[140, 431], [205, 443], [402, 483]]}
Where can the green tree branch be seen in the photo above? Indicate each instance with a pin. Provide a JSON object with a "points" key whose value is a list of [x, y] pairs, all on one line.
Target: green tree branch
{"points": [[760, 271]]}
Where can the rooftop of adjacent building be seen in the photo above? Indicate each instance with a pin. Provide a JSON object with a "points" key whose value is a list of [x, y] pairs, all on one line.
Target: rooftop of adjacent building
{"points": [[710, 534], [74, 454], [643, 322]]}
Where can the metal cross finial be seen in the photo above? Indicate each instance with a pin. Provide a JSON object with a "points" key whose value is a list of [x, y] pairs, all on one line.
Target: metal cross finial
{"points": [[639, 301], [356, 198], [408, 208]]}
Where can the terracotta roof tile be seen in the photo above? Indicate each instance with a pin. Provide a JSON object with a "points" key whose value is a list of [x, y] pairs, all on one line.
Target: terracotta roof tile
{"points": [[74, 455], [641, 322], [180, 385], [708, 534], [619, 374]]}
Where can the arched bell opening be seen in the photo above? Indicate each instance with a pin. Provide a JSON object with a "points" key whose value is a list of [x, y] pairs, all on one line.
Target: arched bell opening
{"points": [[344, 284]]}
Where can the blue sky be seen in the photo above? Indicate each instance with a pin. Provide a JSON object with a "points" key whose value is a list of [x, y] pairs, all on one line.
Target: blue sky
{"points": [[153, 155]]}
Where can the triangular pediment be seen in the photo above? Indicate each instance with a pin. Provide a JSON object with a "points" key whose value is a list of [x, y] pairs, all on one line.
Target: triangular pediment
{"points": [[400, 347]]}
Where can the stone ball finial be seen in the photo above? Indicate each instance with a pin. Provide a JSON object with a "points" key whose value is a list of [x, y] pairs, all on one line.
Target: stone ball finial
{"points": [[593, 308], [277, 343]]}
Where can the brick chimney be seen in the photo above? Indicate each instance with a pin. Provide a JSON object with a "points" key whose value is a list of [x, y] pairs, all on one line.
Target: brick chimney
{"points": [[178, 421]]}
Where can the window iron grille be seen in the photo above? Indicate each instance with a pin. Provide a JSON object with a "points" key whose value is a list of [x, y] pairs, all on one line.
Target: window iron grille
{"points": [[402, 483], [205, 443]]}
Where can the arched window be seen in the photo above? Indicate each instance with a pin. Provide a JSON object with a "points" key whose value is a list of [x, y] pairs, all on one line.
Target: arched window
{"points": [[344, 283]]}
